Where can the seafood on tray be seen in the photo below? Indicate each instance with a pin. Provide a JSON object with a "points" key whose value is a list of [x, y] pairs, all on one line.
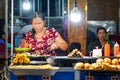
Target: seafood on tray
{"points": [[75, 53], [46, 66]]}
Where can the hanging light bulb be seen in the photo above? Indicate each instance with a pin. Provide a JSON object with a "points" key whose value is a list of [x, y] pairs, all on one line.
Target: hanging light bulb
{"points": [[75, 15], [26, 5]]}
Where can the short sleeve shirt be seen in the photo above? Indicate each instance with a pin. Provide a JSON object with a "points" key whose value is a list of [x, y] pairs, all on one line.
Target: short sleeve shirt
{"points": [[43, 45]]}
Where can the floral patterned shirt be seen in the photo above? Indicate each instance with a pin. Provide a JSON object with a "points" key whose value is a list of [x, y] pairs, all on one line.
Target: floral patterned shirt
{"points": [[43, 44]]}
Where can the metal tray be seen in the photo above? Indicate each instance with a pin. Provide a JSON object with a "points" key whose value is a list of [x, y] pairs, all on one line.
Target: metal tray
{"points": [[64, 61], [101, 72], [38, 62], [33, 71], [74, 58], [39, 58]]}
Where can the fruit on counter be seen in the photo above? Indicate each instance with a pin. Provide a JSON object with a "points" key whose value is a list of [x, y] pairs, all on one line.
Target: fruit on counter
{"points": [[107, 60], [107, 66], [86, 65], [26, 60], [91, 67], [118, 67], [115, 61], [75, 53], [114, 67], [18, 55], [100, 64], [20, 59], [97, 66], [118, 55], [23, 56], [119, 60], [15, 60], [100, 61], [79, 65]]}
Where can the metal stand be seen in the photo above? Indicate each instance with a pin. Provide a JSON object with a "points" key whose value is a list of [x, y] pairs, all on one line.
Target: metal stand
{"points": [[89, 77], [114, 77], [21, 77]]}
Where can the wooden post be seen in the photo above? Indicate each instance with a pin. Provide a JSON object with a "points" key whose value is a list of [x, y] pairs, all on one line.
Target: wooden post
{"points": [[77, 31]]}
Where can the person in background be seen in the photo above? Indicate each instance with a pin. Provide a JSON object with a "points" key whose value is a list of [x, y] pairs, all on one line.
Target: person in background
{"points": [[2, 24], [74, 45], [2, 37], [44, 40], [2, 33], [22, 33], [100, 42]]}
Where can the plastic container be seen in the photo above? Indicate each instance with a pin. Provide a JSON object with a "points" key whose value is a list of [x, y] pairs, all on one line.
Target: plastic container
{"points": [[116, 49], [107, 49]]}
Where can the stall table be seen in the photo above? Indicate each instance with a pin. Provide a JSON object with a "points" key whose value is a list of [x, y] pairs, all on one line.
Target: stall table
{"points": [[66, 71]]}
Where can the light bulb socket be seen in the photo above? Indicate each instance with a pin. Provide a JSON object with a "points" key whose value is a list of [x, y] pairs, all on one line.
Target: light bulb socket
{"points": [[75, 3]]}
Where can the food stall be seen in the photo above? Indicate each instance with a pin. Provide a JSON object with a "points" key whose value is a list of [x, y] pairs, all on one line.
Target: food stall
{"points": [[66, 68]]}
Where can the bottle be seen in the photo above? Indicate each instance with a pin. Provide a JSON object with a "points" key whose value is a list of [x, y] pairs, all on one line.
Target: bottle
{"points": [[116, 49], [107, 49]]}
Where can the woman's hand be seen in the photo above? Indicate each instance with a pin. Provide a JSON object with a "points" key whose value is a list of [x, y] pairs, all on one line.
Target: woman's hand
{"points": [[54, 46], [37, 52], [61, 43], [50, 61]]}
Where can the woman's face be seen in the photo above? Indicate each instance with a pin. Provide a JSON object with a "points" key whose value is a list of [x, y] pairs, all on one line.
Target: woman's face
{"points": [[38, 24], [101, 34]]}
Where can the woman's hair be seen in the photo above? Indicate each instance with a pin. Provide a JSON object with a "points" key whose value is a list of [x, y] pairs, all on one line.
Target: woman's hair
{"points": [[101, 28], [2, 23], [1, 34], [74, 45], [37, 15]]}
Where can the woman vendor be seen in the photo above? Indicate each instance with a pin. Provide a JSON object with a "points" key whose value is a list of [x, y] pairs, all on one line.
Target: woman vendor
{"points": [[100, 42], [44, 40]]}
